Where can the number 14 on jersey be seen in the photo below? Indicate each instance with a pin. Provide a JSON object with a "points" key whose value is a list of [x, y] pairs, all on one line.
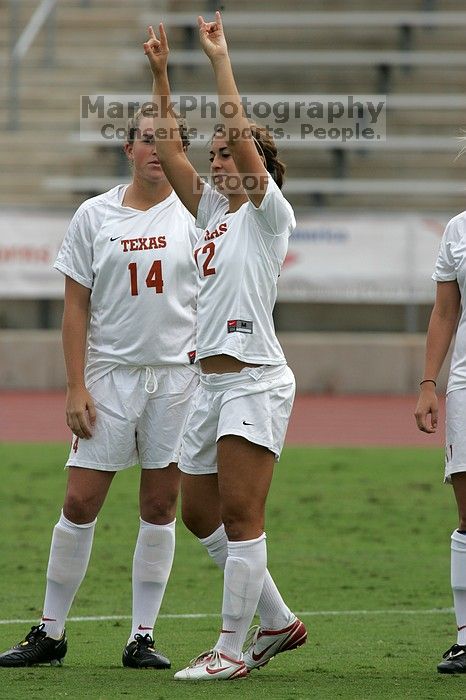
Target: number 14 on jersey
{"points": [[154, 277]]}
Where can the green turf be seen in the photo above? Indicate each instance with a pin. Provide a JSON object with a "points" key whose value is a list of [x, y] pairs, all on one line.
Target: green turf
{"points": [[348, 530]]}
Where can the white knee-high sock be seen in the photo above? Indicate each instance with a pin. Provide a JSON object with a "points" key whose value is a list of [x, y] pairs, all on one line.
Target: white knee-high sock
{"points": [[217, 546], [152, 563], [273, 612], [458, 582], [243, 579], [69, 556]]}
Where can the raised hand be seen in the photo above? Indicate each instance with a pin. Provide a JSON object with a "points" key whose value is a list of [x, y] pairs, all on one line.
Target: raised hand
{"points": [[157, 50], [212, 37]]}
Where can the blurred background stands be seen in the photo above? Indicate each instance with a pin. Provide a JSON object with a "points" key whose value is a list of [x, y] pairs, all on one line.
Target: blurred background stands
{"points": [[54, 52]]}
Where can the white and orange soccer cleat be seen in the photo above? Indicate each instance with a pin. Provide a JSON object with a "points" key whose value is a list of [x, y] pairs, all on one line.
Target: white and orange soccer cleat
{"points": [[212, 665], [262, 645]]}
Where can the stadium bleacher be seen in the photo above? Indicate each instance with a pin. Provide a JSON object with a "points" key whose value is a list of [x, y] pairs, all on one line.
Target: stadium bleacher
{"points": [[414, 52], [423, 117]]}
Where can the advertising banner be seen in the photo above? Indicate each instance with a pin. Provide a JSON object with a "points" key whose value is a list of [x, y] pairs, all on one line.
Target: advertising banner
{"points": [[336, 259]]}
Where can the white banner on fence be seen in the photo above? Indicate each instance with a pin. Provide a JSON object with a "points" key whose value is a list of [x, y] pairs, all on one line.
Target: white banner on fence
{"points": [[357, 259], [351, 258], [28, 247]]}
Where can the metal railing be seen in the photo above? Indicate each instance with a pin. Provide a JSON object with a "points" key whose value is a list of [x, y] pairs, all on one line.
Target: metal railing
{"points": [[44, 14]]}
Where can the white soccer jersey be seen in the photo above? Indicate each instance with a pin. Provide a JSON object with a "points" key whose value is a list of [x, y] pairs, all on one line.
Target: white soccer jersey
{"points": [[451, 265], [139, 266], [239, 258]]}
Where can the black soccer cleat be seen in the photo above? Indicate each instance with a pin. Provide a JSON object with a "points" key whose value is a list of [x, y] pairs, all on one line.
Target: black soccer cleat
{"points": [[36, 648], [455, 660], [141, 654]]}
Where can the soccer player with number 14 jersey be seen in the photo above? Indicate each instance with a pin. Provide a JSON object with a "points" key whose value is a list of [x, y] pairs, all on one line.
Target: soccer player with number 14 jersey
{"points": [[128, 265]]}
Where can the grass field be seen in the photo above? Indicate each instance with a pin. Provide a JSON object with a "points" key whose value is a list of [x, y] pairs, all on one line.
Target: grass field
{"points": [[358, 541]]}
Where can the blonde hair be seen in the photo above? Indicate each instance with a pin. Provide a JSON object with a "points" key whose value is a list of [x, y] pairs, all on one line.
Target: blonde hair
{"points": [[148, 110]]}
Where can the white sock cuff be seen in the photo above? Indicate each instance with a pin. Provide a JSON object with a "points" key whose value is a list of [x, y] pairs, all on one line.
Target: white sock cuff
{"points": [[244, 544], [168, 526], [458, 541], [215, 536], [68, 525]]}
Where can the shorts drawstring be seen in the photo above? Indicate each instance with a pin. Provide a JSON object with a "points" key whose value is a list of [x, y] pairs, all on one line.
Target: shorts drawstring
{"points": [[151, 381]]}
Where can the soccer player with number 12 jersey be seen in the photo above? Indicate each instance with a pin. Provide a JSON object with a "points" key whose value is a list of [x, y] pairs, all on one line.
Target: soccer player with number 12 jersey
{"points": [[238, 418]]}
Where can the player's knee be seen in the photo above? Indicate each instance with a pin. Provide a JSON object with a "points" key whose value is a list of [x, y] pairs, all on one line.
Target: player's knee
{"points": [[79, 508], [159, 511], [242, 524], [237, 531]]}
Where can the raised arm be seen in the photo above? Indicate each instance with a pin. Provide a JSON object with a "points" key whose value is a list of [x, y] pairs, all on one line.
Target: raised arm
{"points": [[237, 130], [180, 173], [442, 325]]}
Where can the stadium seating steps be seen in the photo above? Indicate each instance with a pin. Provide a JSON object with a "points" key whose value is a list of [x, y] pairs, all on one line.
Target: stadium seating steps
{"points": [[98, 51]]}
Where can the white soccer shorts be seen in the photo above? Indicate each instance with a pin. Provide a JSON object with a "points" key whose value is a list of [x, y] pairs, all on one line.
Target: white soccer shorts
{"points": [[254, 403], [141, 413], [455, 433]]}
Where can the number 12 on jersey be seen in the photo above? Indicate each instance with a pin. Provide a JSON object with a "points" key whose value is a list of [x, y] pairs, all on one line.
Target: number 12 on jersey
{"points": [[154, 277], [209, 251]]}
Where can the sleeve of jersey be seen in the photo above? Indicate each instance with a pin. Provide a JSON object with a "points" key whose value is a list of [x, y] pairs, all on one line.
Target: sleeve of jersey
{"points": [[445, 267], [75, 256], [274, 214], [210, 202]]}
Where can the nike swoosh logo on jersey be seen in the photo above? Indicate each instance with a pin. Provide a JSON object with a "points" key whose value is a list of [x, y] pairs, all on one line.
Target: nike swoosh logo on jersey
{"points": [[244, 423], [117, 237]]}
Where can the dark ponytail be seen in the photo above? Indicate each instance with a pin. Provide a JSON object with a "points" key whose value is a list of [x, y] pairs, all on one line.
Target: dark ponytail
{"points": [[267, 149]]}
